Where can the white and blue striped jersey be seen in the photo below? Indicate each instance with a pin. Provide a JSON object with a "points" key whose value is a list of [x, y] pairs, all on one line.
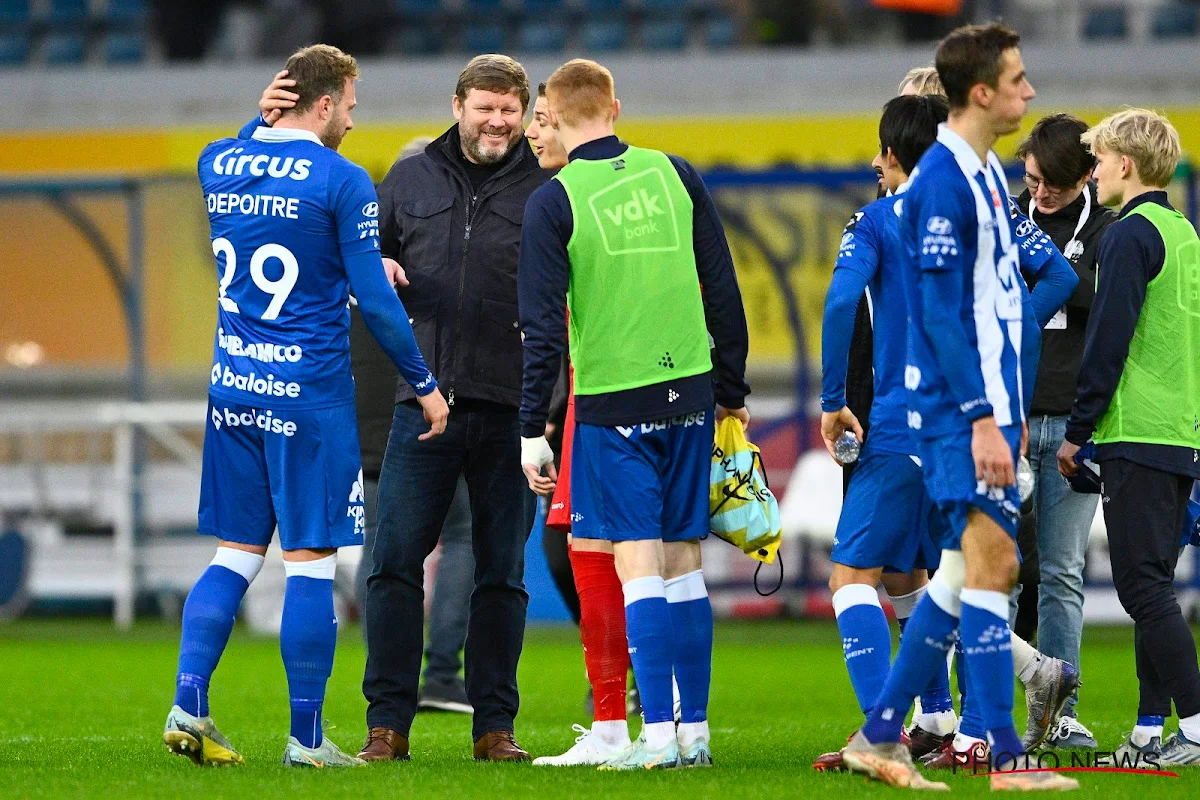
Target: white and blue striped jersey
{"points": [[964, 334]]}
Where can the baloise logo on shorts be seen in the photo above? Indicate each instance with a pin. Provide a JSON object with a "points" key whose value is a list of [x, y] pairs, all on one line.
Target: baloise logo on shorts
{"points": [[263, 420]]}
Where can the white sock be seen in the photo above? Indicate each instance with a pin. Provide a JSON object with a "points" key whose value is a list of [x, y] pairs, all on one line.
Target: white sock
{"points": [[1190, 727], [691, 732], [613, 732], [939, 723], [962, 742], [1142, 734], [240, 561], [904, 604], [658, 734], [1025, 658]]}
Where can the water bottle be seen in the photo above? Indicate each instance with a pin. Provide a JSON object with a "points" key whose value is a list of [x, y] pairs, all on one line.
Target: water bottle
{"points": [[1024, 479], [847, 448]]}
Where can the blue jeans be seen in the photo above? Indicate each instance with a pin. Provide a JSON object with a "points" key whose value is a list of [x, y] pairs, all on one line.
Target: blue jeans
{"points": [[1063, 518], [416, 489], [452, 587]]}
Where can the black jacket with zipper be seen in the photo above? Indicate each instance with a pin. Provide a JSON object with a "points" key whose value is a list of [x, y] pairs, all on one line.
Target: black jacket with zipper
{"points": [[459, 252]]}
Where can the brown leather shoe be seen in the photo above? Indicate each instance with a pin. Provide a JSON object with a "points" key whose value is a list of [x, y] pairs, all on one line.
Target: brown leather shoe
{"points": [[384, 744], [499, 746]]}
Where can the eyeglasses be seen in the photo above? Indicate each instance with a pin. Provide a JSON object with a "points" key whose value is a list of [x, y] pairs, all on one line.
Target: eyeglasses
{"points": [[1033, 184]]}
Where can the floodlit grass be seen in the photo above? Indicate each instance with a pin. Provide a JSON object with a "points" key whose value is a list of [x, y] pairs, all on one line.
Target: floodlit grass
{"points": [[82, 707]]}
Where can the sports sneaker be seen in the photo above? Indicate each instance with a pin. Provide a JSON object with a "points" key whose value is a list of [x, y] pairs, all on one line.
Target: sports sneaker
{"points": [[699, 754], [588, 750], [326, 754], [638, 756], [1070, 734], [1179, 751], [1131, 756], [923, 742], [832, 762], [1052, 684], [198, 739], [975, 757], [887, 762], [444, 696], [1032, 782]]}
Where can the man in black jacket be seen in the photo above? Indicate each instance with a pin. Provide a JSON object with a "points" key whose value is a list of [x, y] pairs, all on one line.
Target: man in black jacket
{"points": [[451, 217], [1061, 200]]}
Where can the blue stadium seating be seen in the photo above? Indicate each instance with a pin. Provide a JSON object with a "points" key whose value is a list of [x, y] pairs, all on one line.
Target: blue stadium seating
{"points": [[482, 5], [417, 8], [664, 34], [1105, 23], [124, 47], [1175, 22], [720, 32], [67, 11], [128, 11], [537, 36], [14, 49], [604, 35], [655, 6], [484, 38], [62, 49], [542, 6], [605, 6], [418, 40], [14, 12]]}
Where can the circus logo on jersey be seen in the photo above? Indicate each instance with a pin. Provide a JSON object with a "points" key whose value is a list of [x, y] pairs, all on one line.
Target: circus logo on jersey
{"points": [[939, 226], [371, 210]]}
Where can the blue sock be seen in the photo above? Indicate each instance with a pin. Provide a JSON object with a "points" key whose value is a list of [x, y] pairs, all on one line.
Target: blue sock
{"points": [[307, 641], [208, 617], [692, 635], [866, 640], [651, 650], [929, 636], [987, 649], [970, 721], [936, 697], [1151, 720]]}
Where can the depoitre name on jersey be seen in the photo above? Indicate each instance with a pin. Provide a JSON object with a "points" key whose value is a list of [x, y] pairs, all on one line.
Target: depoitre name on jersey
{"points": [[283, 211]]}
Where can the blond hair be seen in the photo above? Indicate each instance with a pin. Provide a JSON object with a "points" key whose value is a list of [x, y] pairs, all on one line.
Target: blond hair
{"points": [[581, 91], [1146, 137], [925, 81], [320, 70], [493, 72]]}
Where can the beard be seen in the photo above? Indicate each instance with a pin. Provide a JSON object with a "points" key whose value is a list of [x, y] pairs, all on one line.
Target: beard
{"points": [[333, 134], [472, 145]]}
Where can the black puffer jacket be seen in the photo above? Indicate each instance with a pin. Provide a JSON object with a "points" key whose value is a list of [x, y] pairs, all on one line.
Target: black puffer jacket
{"points": [[459, 252]]}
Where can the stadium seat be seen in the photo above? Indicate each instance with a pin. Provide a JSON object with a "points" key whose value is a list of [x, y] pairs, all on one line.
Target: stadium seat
{"points": [[14, 12], [14, 49], [720, 32], [67, 11], [127, 11], [63, 49], [537, 36], [604, 36], [664, 34], [484, 38], [418, 39], [1174, 22], [417, 8], [1105, 23], [124, 47]]}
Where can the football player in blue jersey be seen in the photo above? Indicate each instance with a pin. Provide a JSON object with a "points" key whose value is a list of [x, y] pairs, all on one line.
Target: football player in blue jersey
{"points": [[294, 231], [894, 545], [965, 406]]}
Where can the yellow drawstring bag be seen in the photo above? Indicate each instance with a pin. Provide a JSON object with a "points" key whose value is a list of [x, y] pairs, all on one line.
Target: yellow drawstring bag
{"points": [[742, 509]]}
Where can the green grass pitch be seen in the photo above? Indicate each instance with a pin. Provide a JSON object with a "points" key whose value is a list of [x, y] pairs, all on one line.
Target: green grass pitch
{"points": [[82, 707]]}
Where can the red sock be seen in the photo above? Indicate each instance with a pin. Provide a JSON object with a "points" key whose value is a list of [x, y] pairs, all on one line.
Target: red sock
{"points": [[602, 629]]}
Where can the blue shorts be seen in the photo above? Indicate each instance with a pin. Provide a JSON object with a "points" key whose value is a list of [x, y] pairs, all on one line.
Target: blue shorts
{"points": [[300, 470], [646, 481], [950, 480], [886, 517]]}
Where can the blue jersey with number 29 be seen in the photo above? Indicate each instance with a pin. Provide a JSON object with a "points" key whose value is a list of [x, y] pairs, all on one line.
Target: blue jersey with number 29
{"points": [[285, 211]]}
